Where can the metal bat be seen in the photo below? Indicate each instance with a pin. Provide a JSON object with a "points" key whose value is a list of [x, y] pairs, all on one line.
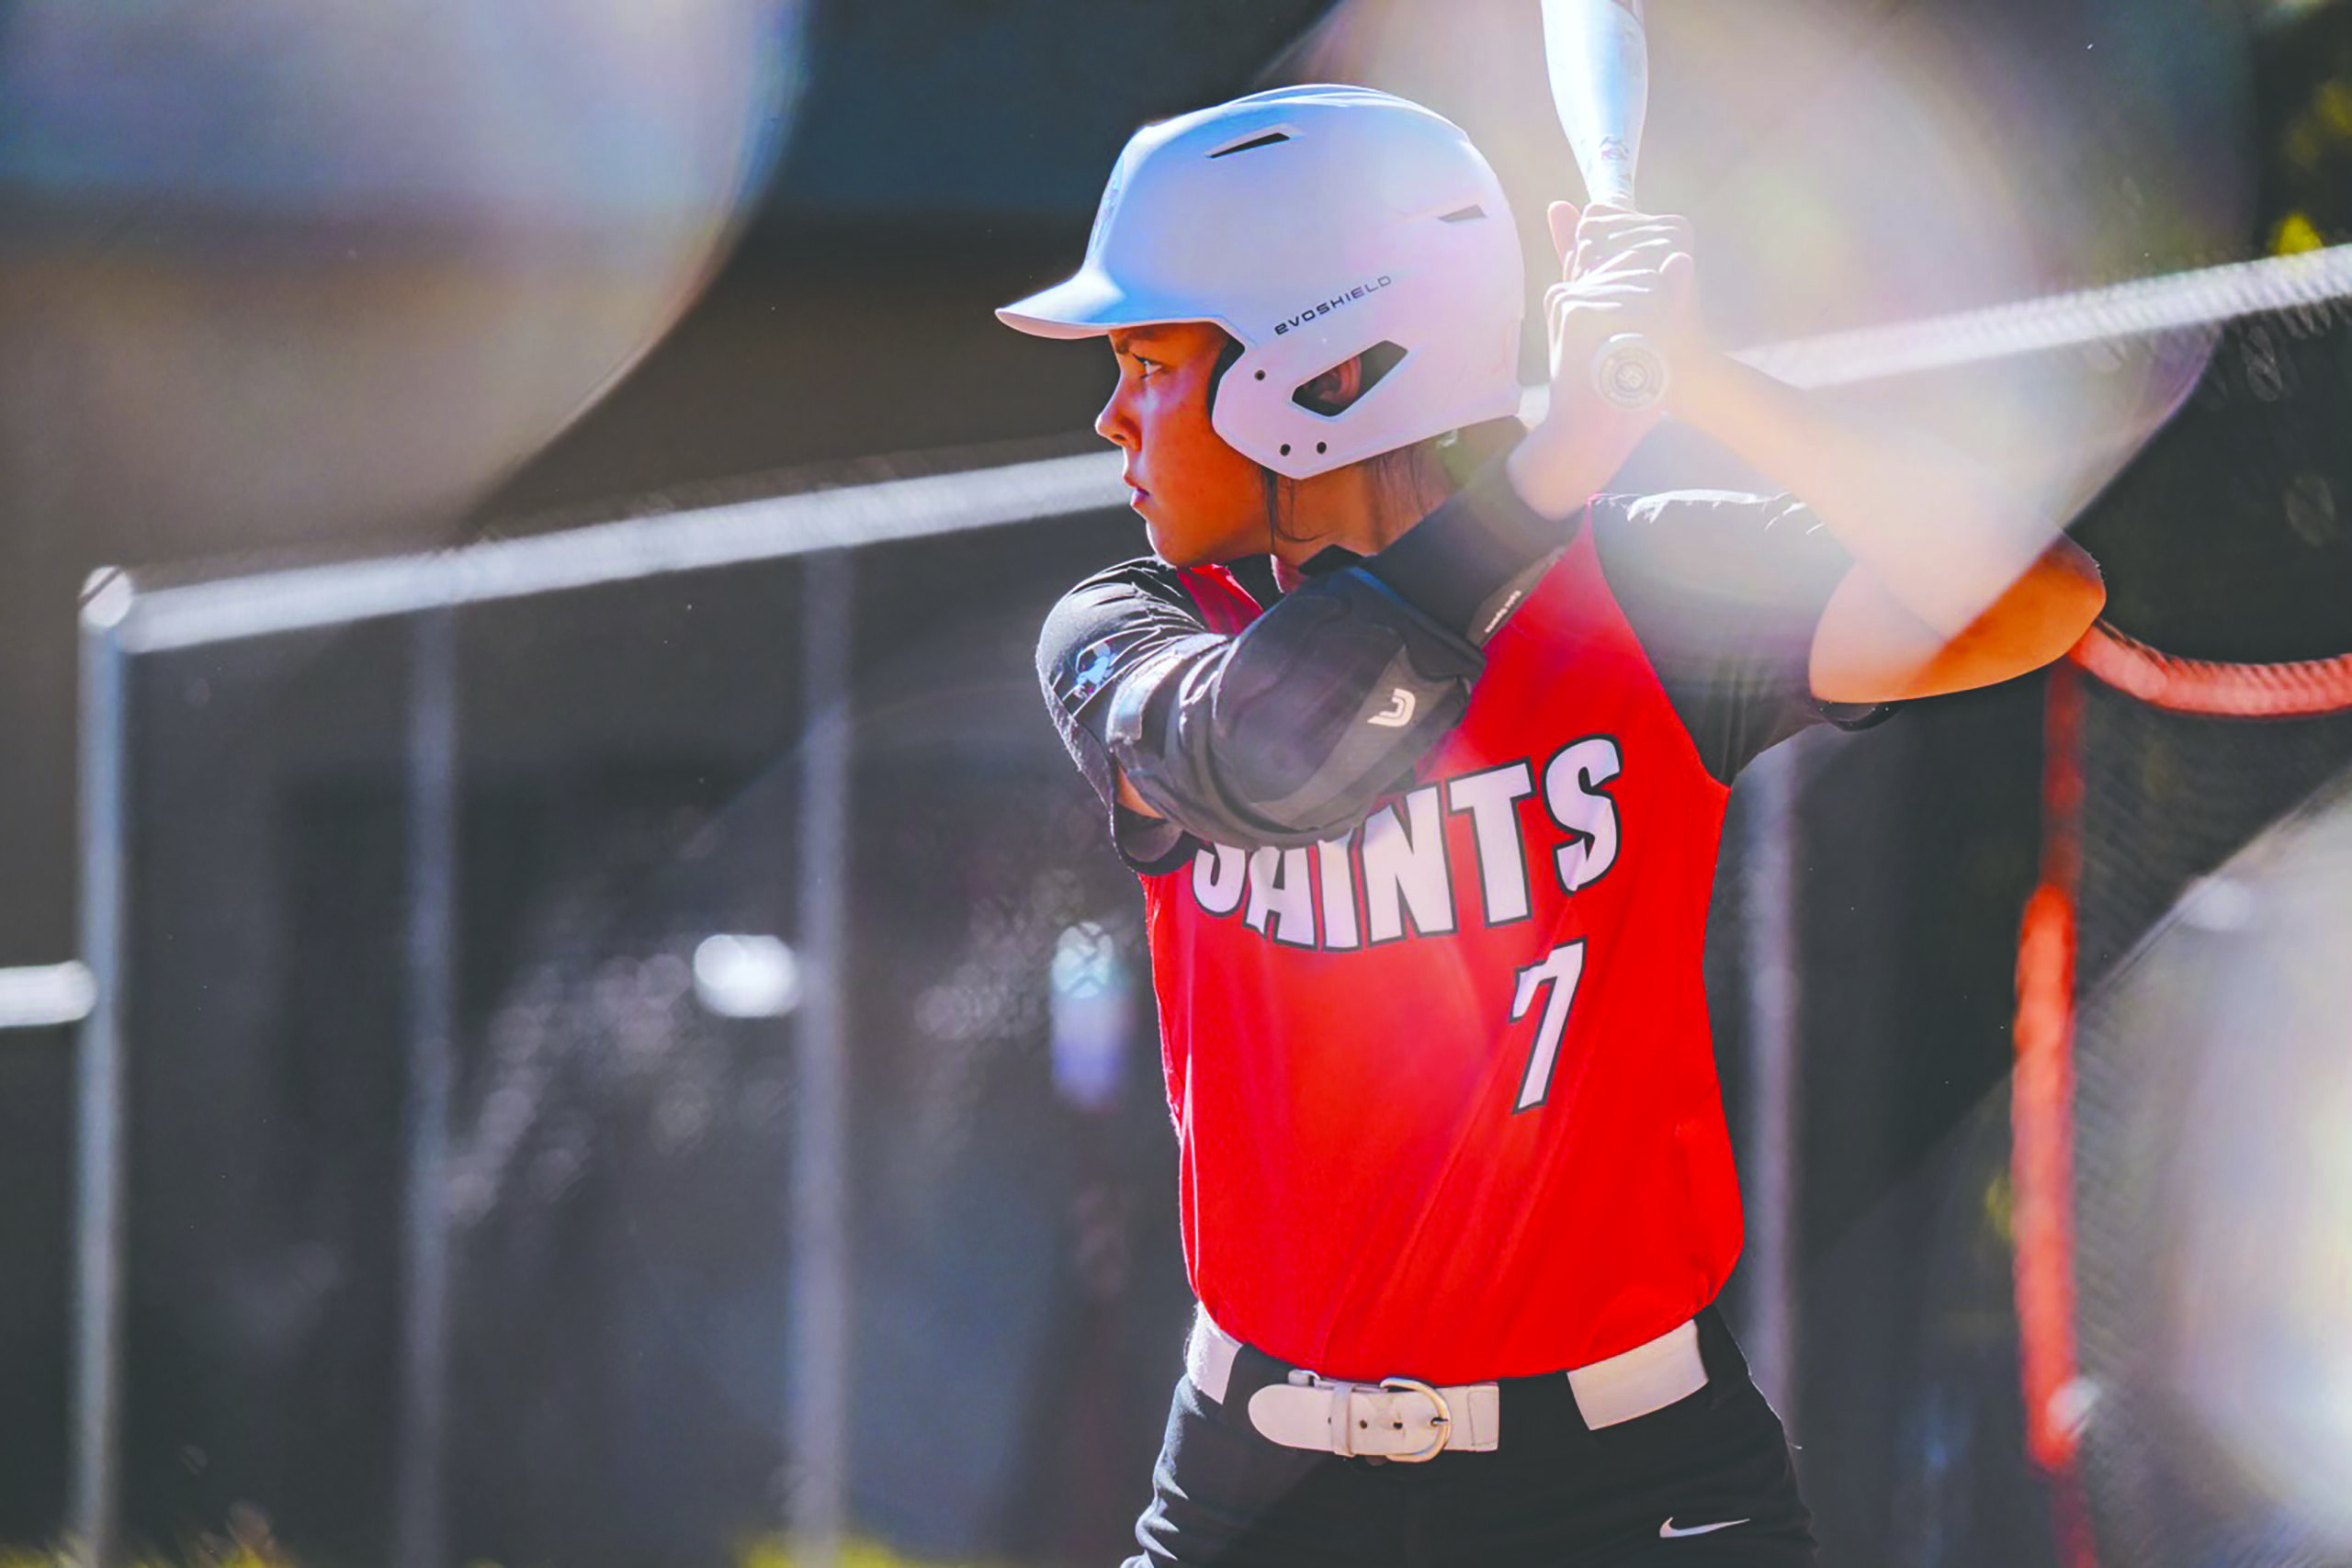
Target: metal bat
{"points": [[1599, 62]]}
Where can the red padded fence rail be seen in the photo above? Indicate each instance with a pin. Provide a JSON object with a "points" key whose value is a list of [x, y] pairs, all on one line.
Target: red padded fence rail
{"points": [[2303, 690], [2041, 1095]]}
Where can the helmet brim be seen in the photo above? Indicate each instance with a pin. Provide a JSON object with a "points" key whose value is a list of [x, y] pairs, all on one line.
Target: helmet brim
{"points": [[1087, 304]]}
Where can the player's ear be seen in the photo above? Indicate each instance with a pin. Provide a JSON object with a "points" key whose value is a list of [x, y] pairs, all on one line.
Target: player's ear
{"points": [[1335, 388]]}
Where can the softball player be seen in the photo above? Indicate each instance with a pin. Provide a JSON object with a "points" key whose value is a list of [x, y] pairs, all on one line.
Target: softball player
{"points": [[1426, 846]]}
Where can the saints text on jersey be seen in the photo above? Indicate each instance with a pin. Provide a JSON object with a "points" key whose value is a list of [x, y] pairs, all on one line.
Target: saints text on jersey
{"points": [[1393, 877]]}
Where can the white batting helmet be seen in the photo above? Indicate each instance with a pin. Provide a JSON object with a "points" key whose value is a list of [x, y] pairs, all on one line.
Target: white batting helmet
{"points": [[1313, 224]]}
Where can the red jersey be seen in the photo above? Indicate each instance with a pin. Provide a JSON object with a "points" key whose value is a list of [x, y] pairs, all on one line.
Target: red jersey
{"points": [[1443, 1089]]}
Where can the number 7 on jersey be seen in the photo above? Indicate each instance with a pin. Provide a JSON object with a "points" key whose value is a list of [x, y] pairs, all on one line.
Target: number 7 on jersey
{"points": [[1560, 969]]}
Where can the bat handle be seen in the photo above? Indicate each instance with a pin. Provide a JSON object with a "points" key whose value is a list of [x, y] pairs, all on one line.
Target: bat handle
{"points": [[1628, 372]]}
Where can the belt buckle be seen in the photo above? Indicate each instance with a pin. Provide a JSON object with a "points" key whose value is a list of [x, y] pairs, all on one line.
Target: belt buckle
{"points": [[1442, 1425]]}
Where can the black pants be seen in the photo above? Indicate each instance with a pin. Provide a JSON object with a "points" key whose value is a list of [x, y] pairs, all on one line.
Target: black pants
{"points": [[1554, 1493]]}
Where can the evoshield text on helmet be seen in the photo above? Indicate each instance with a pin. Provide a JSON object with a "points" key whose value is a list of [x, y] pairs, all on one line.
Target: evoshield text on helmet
{"points": [[1313, 224]]}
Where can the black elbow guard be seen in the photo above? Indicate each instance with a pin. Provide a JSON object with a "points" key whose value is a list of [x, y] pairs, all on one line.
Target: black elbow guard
{"points": [[1291, 732]]}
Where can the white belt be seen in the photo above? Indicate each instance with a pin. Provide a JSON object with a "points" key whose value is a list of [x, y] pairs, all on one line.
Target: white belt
{"points": [[1403, 1418]]}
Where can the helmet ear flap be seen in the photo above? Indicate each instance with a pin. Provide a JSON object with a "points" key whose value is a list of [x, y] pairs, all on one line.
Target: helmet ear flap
{"points": [[1297, 424]]}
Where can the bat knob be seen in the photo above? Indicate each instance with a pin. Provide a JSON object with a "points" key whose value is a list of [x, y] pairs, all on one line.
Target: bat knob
{"points": [[1628, 373]]}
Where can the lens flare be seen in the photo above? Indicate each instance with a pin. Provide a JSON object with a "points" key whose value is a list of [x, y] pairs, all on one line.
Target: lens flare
{"points": [[2233, 1101], [288, 272]]}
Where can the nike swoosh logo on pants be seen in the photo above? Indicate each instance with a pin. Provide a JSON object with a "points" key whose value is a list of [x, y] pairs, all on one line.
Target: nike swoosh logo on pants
{"points": [[1668, 1532]]}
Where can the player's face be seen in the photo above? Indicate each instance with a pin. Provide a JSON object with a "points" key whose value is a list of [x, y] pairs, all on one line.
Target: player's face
{"points": [[1200, 500]]}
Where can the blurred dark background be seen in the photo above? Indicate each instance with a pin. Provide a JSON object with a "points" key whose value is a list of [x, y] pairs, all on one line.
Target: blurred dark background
{"points": [[210, 374]]}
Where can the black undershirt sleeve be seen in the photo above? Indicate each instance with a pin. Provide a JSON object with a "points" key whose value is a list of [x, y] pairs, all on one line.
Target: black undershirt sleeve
{"points": [[1724, 592]]}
